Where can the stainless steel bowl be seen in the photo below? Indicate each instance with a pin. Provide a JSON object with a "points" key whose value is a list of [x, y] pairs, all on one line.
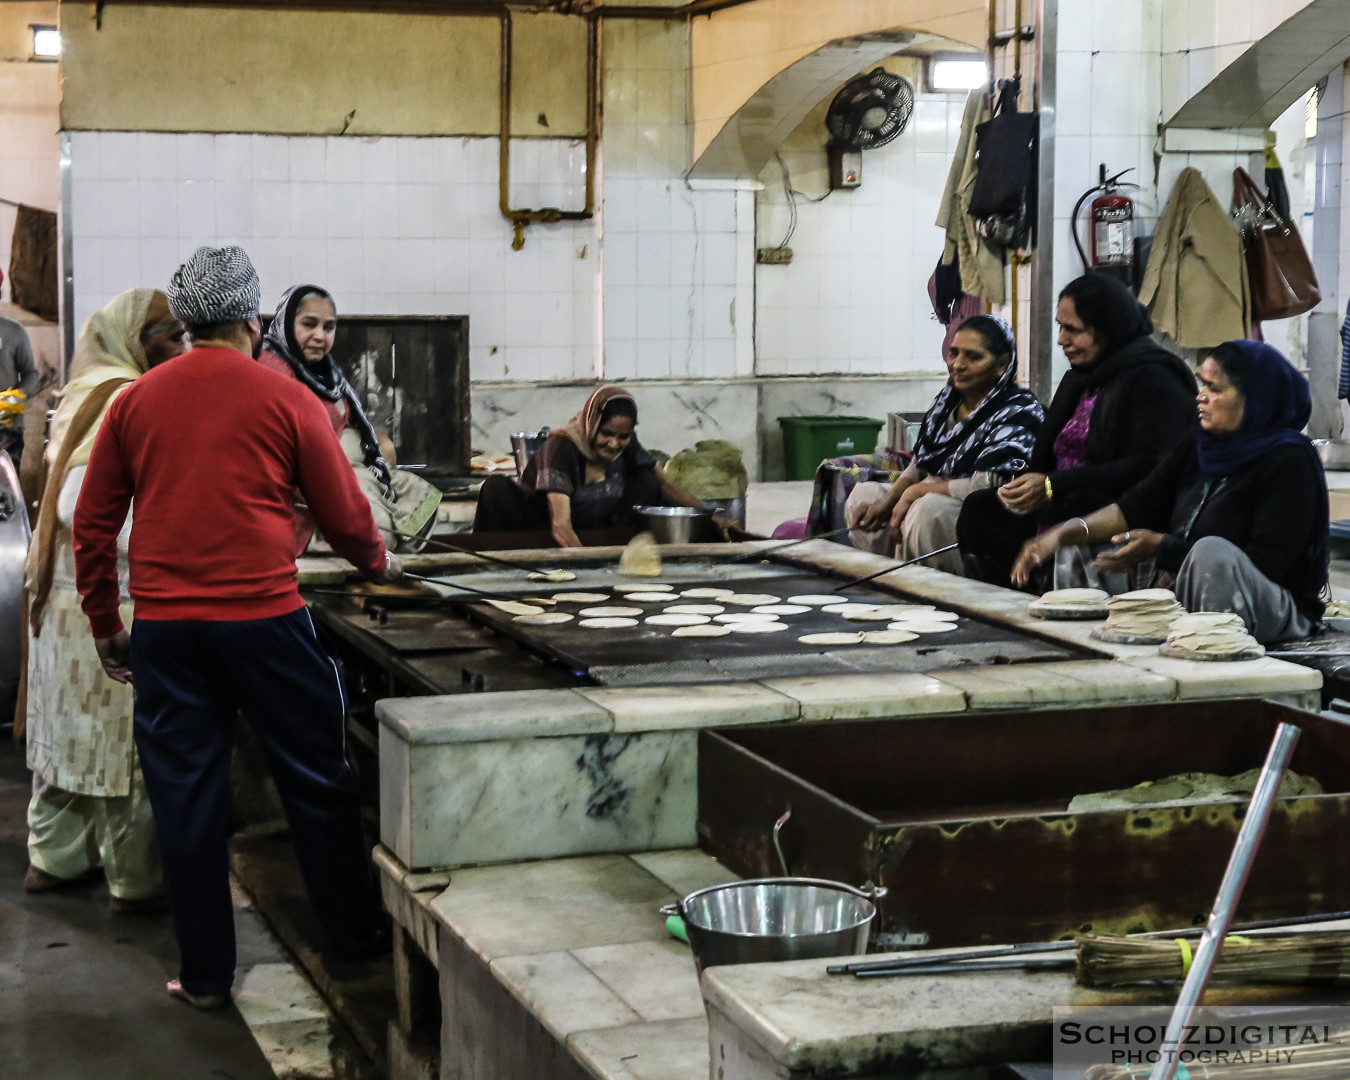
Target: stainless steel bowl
{"points": [[678, 524], [769, 919], [1335, 454], [524, 444]]}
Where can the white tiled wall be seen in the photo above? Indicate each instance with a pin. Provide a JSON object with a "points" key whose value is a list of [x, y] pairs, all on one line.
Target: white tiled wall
{"points": [[854, 299], [1107, 112], [389, 225], [679, 290], [29, 144]]}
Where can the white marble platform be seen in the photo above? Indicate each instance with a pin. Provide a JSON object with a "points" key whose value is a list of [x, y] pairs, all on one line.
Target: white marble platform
{"points": [[537, 774], [571, 958]]}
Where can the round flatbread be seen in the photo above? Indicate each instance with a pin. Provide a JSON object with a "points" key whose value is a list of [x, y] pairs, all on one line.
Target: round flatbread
{"points": [[612, 612], [514, 607], [758, 627], [540, 601], [695, 609], [704, 630], [544, 618], [675, 620], [841, 608], [580, 597], [814, 599], [888, 637], [781, 609], [832, 638], [879, 614], [648, 587], [926, 616], [750, 599], [708, 594], [556, 576], [607, 624], [913, 626], [647, 597], [734, 618]]}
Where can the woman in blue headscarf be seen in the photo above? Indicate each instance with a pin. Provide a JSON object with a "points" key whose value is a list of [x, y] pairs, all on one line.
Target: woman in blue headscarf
{"points": [[1238, 513]]}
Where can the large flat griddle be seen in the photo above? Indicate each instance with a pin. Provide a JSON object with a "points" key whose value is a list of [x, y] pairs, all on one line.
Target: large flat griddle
{"points": [[649, 654]]}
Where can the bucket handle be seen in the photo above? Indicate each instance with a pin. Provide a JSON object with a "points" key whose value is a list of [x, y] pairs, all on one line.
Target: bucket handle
{"points": [[672, 909], [777, 843], [873, 892]]}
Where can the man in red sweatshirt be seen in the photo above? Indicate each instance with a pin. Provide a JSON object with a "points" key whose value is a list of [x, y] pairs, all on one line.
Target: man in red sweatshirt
{"points": [[211, 446]]}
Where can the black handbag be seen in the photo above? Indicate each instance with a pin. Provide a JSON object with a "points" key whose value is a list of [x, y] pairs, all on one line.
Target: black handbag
{"points": [[1003, 199]]}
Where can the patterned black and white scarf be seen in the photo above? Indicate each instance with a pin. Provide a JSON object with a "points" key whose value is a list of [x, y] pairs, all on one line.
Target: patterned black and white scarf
{"points": [[325, 378], [998, 434]]}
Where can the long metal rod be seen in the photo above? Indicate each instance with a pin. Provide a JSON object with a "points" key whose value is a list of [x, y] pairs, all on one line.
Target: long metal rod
{"points": [[897, 566], [922, 959], [762, 553], [443, 546], [456, 585], [1226, 901]]}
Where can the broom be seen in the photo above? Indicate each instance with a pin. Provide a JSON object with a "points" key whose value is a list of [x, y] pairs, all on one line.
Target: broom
{"points": [[1319, 958]]}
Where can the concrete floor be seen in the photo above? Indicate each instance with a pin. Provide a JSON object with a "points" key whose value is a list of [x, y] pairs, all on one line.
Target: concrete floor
{"points": [[82, 990]]}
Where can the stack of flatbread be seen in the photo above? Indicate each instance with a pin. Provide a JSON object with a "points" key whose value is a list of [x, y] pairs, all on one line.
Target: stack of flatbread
{"points": [[1070, 604], [1211, 635], [1144, 613]]}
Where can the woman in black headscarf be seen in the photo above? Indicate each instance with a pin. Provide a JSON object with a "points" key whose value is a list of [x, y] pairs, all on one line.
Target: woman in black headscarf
{"points": [[1237, 512], [1124, 402], [299, 344]]}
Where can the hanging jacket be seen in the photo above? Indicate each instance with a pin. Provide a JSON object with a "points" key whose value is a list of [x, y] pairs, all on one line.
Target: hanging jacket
{"points": [[1195, 287]]}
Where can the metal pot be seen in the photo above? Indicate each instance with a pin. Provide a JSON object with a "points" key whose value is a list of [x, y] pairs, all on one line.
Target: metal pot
{"points": [[770, 919], [1335, 454], [731, 509], [523, 446], [678, 524]]}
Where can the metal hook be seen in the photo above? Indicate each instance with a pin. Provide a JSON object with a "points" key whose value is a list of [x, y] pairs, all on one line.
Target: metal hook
{"points": [[777, 845]]}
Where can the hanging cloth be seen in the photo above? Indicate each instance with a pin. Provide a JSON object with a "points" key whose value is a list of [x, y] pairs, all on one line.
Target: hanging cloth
{"points": [[32, 263]]}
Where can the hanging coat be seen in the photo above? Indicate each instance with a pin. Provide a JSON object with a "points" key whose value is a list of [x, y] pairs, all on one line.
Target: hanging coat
{"points": [[982, 272], [1195, 287]]}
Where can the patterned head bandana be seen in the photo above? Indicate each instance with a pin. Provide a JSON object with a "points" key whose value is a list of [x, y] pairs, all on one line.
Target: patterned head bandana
{"points": [[216, 285]]}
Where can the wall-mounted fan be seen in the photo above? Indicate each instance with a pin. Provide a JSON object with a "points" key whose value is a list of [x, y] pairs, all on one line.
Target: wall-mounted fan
{"points": [[870, 110]]}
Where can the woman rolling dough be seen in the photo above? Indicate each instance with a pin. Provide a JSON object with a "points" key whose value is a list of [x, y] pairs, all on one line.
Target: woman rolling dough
{"points": [[589, 474]]}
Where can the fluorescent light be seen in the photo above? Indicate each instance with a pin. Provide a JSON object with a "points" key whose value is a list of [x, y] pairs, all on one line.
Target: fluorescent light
{"points": [[958, 75], [46, 42]]}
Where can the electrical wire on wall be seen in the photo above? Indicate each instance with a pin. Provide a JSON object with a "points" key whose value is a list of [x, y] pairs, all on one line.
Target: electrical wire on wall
{"points": [[792, 195]]}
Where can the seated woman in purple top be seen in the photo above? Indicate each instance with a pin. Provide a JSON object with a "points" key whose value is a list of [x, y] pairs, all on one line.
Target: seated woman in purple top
{"points": [[1124, 402]]}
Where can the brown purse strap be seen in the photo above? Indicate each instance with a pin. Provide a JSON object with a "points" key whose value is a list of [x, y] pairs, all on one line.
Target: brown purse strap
{"points": [[44, 535]]}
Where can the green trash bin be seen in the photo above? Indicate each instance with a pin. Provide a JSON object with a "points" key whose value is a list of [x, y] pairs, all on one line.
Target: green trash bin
{"points": [[809, 440]]}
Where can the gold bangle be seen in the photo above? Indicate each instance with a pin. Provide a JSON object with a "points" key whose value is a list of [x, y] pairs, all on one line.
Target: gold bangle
{"points": [[1049, 490]]}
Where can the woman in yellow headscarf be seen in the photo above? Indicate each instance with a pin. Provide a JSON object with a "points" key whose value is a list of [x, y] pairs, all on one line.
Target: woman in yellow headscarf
{"points": [[89, 807]]}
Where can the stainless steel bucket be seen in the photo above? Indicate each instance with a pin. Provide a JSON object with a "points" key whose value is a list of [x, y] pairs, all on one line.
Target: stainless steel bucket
{"points": [[14, 535], [678, 524], [769, 919], [523, 446]]}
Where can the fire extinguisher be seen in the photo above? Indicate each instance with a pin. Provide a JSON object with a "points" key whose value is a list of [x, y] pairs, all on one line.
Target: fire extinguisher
{"points": [[1111, 219]]}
